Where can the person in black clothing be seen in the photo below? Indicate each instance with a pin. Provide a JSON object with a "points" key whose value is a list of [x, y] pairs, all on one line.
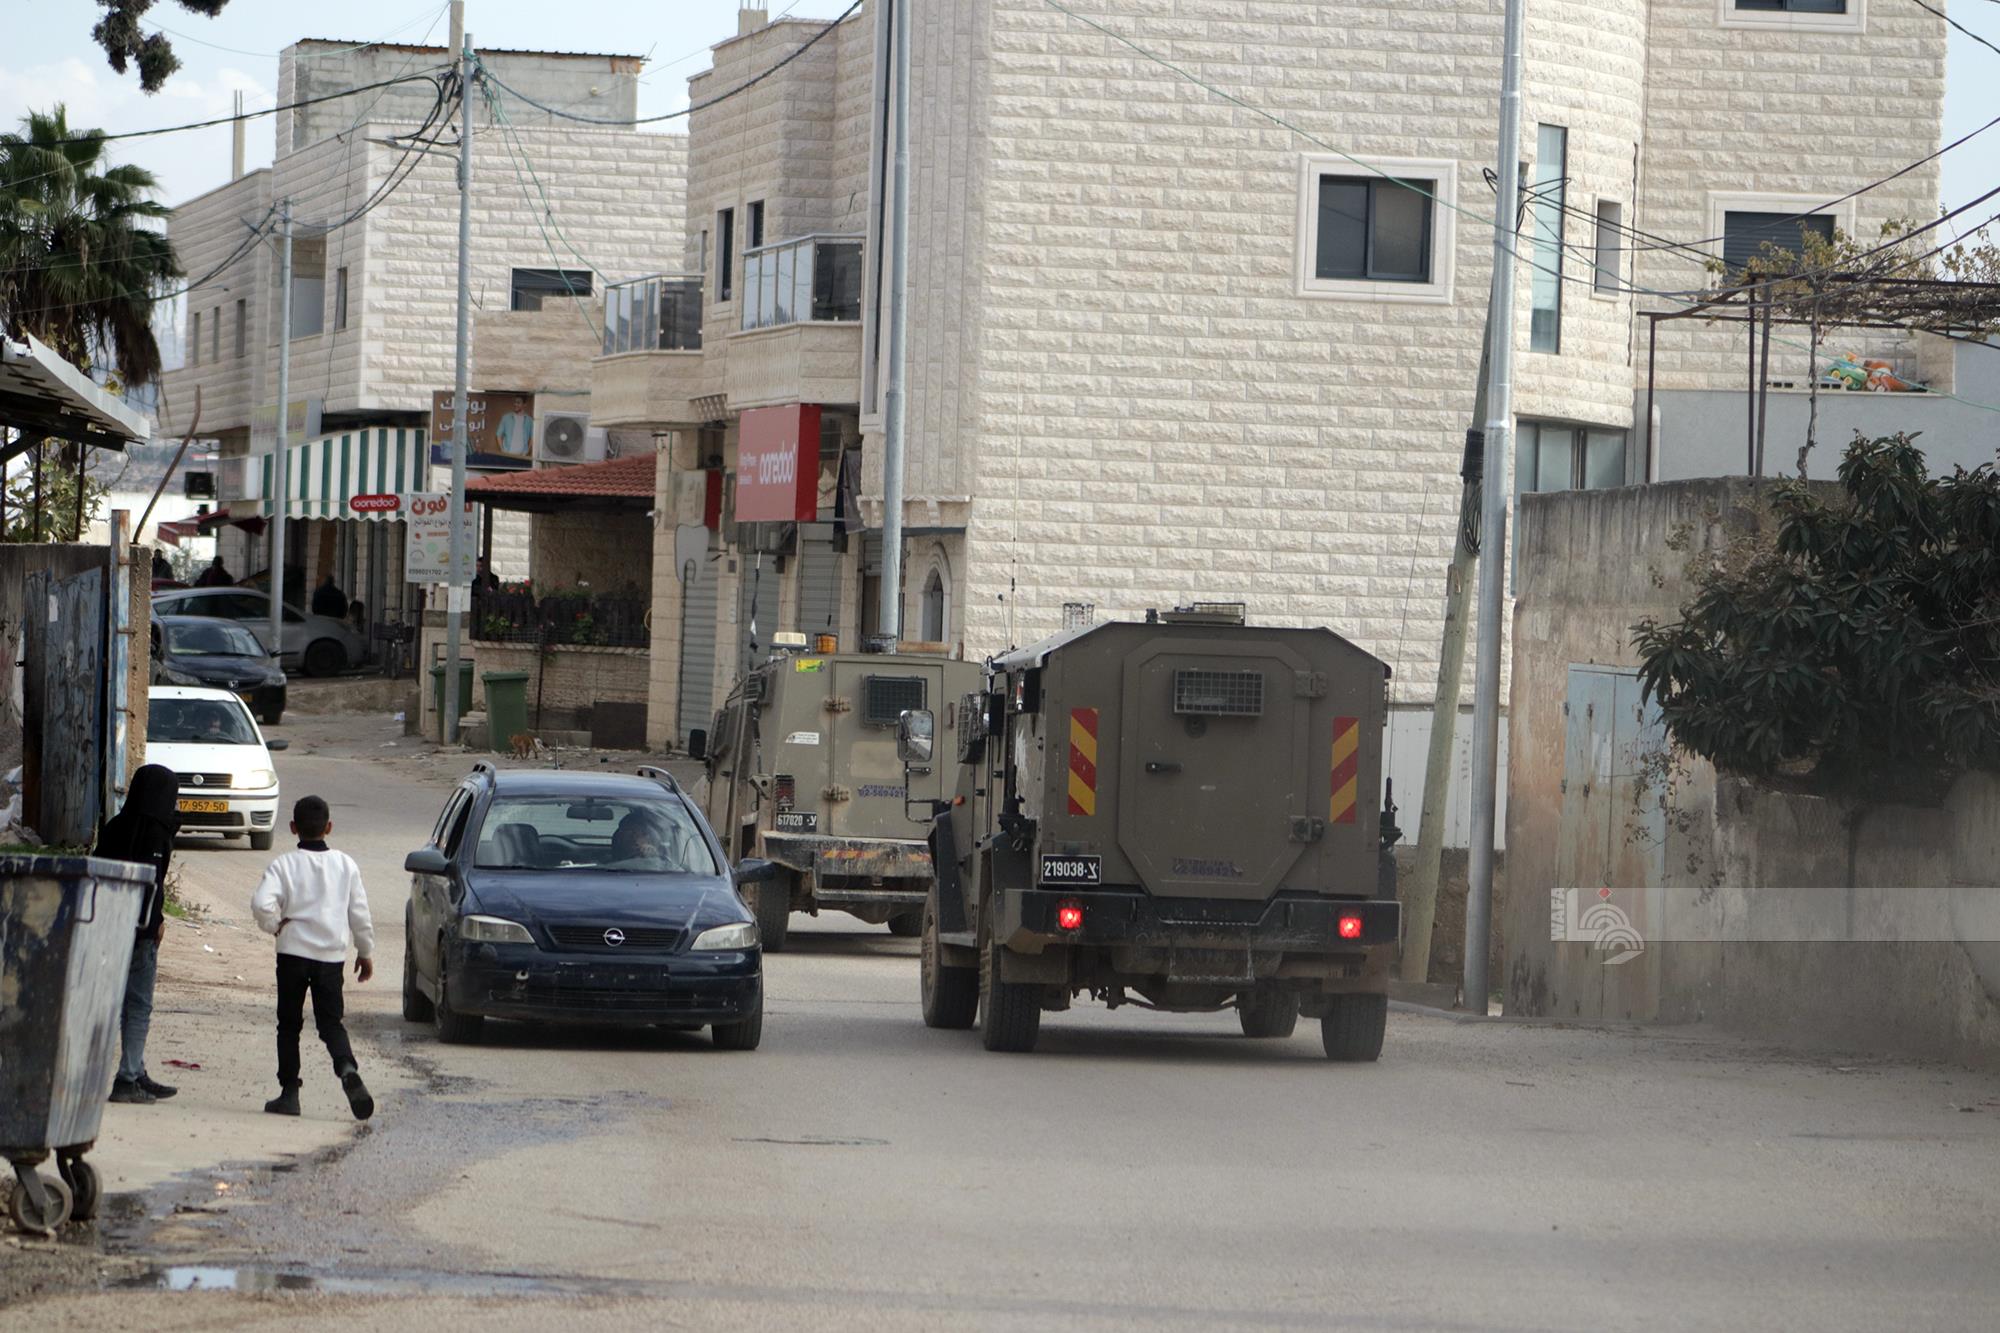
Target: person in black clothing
{"points": [[215, 576], [143, 832], [161, 568], [484, 579], [329, 600]]}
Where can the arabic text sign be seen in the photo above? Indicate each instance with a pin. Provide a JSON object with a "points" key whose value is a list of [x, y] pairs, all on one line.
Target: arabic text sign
{"points": [[427, 552]]}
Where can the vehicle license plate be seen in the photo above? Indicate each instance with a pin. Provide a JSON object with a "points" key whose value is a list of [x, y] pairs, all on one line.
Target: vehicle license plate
{"points": [[1061, 869], [189, 807], [798, 821]]}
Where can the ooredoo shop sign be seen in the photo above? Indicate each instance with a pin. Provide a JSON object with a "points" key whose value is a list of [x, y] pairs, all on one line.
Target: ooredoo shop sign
{"points": [[375, 504], [777, 465]]}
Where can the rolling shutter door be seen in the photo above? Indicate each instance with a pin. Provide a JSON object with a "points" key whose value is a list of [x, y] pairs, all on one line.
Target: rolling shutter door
{"points": [[819, 581], [699, 609]]}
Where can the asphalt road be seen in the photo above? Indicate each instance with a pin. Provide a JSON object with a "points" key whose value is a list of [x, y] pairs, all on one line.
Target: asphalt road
{"points": [[1139, 1170]]}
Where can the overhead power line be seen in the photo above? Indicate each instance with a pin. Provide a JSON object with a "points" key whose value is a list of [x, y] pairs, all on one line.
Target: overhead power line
{"points": [[745, 86], [247, 115]]}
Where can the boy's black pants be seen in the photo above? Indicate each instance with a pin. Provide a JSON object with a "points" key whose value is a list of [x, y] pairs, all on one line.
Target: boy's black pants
{"points": [[297, 976]]}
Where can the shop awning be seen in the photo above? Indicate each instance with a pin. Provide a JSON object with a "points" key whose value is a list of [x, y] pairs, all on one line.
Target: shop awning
{"points": [[42, 394], [324, 476], [204, 525]]}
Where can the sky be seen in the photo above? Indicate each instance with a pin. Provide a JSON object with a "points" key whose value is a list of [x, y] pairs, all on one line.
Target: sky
{"points": [[49, 57]]}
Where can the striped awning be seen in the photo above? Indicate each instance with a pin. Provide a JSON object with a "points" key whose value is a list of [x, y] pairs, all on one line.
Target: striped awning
{"points": [[324, 474]]}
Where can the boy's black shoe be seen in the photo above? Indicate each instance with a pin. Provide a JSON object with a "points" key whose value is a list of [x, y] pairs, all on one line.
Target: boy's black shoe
{"points": [[357, 1094], [285, 1103], [160, 1091], [125, 1090]]}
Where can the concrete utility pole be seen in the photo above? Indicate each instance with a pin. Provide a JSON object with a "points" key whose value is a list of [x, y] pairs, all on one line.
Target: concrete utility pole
{"points": [[280, 456], [1493, 526], [1420, 896], [456, 589], [891, 617]]}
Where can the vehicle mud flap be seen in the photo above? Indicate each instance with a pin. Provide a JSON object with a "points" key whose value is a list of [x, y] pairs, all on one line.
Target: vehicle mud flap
{"points": [[950, 882]]}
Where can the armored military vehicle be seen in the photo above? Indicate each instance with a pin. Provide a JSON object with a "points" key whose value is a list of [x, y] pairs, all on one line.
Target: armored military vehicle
{"points": [[1179, 814], [803, 772]]}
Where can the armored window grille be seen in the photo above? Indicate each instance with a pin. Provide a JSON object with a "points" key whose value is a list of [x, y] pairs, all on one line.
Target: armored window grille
{"points": [[1218, 693], [884, 699]]}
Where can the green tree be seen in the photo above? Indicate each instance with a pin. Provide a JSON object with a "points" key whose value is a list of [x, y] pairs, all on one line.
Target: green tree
{"points": [[124, 41], [1853, 649], [58, 514], [80, 258]]}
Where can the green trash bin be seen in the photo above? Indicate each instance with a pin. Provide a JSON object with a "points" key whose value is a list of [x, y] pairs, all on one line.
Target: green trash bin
{"points": [[464, 692], [506, 708]]}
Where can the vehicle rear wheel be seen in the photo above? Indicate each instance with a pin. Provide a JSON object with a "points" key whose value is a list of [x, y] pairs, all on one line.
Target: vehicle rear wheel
{"points": [[262, 842], [453, 1027], [951, 994], [907, 925], [416, 1004], [1269, 1013], [774, 911], [271, 719], [744, 1034], [1353, 1026], [324, 657], [1010, 1011]]}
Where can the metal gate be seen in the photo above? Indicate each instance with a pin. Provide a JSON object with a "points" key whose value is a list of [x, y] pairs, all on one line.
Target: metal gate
{"points": [[699, 609], [1613, 830], [819, 580], [63, 689]]}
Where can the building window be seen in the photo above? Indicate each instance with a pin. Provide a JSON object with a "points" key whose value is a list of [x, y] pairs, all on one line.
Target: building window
{"points": [[725, 254], [242, 328], [308, 287], [215, 334], [194, 338], [1795, 15], [340, 297], [532, 285], [933, 608], [756, 226], [1610, 245], [1547, 192], [1380, 235], [1558, 456], [1744, 235]]}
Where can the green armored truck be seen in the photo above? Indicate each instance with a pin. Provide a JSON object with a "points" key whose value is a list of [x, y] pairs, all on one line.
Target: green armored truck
{"points": [[1179, 814], [803, 772]]}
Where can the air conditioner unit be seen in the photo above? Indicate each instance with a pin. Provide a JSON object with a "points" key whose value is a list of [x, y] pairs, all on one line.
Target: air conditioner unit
{"points": [[568, 437]]}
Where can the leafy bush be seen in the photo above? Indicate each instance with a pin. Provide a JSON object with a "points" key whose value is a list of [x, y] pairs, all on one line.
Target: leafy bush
{"points": [[1856, 646]]}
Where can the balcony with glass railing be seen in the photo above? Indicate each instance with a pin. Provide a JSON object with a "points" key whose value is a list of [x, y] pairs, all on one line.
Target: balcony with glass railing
{"points": [[661, 313], [807, 280]]}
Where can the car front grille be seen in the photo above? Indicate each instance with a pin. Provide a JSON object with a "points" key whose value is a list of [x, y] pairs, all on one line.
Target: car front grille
{"points": [[199, 781], [615, 1001], [637, 939]]}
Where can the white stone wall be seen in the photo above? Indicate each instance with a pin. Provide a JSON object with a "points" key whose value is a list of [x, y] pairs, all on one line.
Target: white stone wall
{"points": [[204, 232]]}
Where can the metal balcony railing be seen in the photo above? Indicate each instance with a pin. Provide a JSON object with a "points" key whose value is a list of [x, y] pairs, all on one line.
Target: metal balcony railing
{"points": [[519, 613], [661, 313], [811, 279]]}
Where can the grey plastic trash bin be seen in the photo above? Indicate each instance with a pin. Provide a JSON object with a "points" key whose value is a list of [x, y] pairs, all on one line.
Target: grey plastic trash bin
{"points": [[66, 926]]}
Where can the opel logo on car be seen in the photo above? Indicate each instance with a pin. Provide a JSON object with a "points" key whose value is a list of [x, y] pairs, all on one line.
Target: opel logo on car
{"points": [[614, 937]]}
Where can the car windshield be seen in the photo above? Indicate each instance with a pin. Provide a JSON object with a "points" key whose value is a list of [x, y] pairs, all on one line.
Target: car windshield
{"points": [[597, 833], [212, 640], [200, 722]]}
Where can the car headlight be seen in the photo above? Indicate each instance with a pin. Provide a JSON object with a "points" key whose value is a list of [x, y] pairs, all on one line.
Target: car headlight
{"points": [[493, 930], [175, 676], [257, 777], [738, 935]]}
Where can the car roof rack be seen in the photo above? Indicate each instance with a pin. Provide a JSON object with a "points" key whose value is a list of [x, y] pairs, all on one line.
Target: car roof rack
{"points": [[661, 776]]}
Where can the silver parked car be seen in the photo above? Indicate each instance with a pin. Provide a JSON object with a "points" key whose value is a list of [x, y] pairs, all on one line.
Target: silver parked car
{"points": [[316, 645]]}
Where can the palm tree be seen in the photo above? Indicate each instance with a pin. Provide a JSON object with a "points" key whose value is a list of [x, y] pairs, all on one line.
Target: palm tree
{"points": [[79, 264]]}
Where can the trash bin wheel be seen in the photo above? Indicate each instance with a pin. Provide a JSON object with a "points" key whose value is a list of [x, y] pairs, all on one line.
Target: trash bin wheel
{"points": [[22, 1209], [84, 1187]]}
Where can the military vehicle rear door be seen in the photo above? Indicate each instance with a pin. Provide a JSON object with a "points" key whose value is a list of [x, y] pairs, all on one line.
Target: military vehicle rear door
{"points": [[1214, 765], [874, 692]]}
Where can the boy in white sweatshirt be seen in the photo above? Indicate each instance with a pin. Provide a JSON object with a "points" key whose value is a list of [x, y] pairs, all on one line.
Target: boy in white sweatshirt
{"points": [[312, 899]]}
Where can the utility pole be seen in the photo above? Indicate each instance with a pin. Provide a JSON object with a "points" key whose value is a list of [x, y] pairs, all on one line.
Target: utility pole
{"points": [[891, 618], [280, 487], [456, 590], [1420, 898], [1493, 525]]}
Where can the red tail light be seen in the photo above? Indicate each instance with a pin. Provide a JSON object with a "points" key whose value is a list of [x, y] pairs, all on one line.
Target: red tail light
{"points": [[1069, 916], [1350, 927]]}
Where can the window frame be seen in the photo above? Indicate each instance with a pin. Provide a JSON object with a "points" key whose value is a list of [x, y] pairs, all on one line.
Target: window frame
{"points": [[1854, 21], [1598, 272], [340, 297], [194, 337], [753, 235], [1721, 203], [570, 283], [1442, 173], [242, 327], [1538, 244], [725, 256], [215, 335]]}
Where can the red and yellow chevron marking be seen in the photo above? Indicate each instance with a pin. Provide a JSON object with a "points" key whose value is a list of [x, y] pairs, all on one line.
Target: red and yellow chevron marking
{"points": [[1083, 761], [1346, 770]]}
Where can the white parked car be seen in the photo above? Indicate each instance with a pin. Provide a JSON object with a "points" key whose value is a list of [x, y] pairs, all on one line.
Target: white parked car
{"points": [[228, 783], [316, 645]]}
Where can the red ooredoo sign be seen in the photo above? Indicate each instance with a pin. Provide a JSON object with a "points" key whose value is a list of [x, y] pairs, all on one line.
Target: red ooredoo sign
{"points": [[777, 465]]}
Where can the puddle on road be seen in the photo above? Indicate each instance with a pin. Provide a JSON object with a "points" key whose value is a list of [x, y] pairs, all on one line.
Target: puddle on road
{"points": [[200, 1277]]}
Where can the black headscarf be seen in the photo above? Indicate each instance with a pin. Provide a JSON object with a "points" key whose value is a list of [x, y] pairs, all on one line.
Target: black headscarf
{"points": [[144, 832]]}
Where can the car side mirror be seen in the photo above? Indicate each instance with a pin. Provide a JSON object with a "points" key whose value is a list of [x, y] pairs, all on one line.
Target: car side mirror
{"points": [[278, 745], [916, 736], [698, 745], [755, 870], [426, 861]]}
